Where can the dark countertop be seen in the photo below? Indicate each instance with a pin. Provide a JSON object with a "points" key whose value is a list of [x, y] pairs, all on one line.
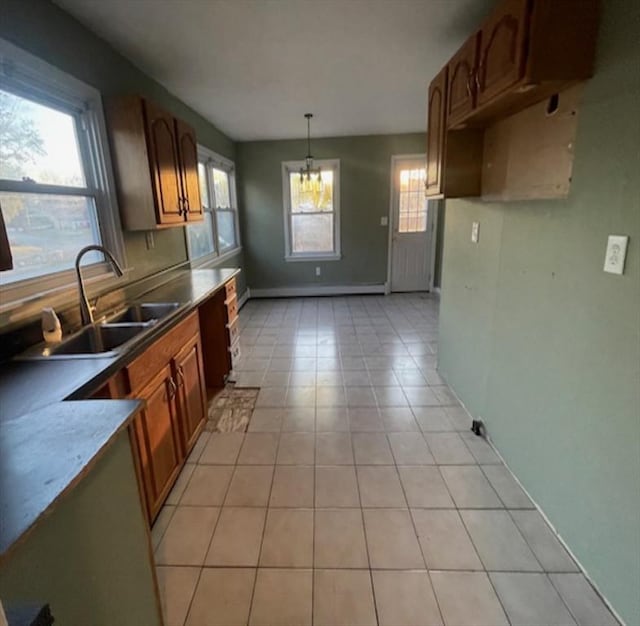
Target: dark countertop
{"points": [[46, 453], [29, 385], [46, 444]]}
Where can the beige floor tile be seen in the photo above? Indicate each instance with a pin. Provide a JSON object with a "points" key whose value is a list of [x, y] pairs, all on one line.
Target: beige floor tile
{"points": [[421, 396], [196, 452], [296, 449], [405, 599], [507, 488], [332, 420], [176, 586], [339, 539], [365, 420], [237, 538], [207, 485], [292, 486], [469, 488], [343, 598], [480, 449], [250, 486], [288, 538], [334, 449], [449, 449], [330, 397], [258, 449], [273, 397], [222, 449], [301, 396], [498, 541], [444, 540], [391, 540], [467, 599], [187, 537], [301, 419], [459, 417], [424, 487], [266, 420], [372, 449], [584, 603], [222, 598], [530, 599], [432, 419], [282, 598], [543, 541], [398, 419], [380, 486], [160, 525], [336, 487], [181, 484], [410, 449]]}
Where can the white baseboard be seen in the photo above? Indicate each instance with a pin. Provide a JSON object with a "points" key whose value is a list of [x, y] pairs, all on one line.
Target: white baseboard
{"points": [[339, 290], [243, 298], [436, 291]]}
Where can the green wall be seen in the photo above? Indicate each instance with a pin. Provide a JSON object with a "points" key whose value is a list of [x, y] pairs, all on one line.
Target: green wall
{"points": [[544, 346], [40, 27], [365, 164], [90, 558]]}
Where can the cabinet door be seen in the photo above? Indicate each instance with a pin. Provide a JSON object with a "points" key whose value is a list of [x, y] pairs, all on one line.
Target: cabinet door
{"points": [[502, 49], [188, 152], [160, 456], [163, 155], [436, 134], [461, 89], [192, 392]]}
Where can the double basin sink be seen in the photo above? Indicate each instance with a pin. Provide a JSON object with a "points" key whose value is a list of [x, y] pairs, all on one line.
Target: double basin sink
{"points": [[109, 336]]}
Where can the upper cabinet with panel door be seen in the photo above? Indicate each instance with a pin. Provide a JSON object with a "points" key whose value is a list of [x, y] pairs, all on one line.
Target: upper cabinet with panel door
{"points": [[156, 162]]}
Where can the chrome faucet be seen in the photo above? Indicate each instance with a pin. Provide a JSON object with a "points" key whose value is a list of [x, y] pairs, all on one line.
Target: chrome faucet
{"points": [[86, 312]]}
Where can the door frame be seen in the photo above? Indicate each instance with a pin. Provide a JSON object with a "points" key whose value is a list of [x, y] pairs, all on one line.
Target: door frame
{"points": [[432, 222]]}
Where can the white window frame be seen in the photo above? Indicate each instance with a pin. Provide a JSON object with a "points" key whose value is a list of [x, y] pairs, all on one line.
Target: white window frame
{"points": [[212, 159], [289, 167], [30, 77]]}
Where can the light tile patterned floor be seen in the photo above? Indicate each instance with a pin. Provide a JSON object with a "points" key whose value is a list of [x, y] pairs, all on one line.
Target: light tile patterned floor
{"points": [[358, 495]]}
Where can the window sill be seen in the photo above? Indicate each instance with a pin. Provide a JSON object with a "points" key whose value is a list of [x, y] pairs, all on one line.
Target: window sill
{"points": [[294, 258], [212, 261]]}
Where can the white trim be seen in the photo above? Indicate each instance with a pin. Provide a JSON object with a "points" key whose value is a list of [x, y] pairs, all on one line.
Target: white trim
{"points": [[294, 166], [436, 291], [339, 290], [243, 298]]}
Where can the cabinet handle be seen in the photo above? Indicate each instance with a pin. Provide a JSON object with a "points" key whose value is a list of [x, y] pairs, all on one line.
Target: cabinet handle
{"points": [[180, 376], [477, 77], [179, 206], [469, 85], [173, 388]]}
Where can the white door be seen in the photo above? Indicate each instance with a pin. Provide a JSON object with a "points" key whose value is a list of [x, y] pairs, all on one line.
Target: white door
{"points": [[411, 226]]}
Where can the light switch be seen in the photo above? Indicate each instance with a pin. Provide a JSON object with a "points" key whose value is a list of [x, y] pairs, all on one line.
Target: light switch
{"points": [[317, 270], [384, 221], [475, 232], [616, 253]]}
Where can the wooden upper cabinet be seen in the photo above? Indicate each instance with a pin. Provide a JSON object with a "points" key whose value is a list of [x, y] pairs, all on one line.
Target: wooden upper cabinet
{"points": [[436, 115], [164, 161], [155, 158], [188, 152], [502, 49], [461, 94]]}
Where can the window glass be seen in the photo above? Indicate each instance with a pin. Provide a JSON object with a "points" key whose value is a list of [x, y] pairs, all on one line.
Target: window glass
{"points": [[201, 237], [412, 213], [311, 196], [221, 189], [204, 186], [312, 233], [226, 229]]}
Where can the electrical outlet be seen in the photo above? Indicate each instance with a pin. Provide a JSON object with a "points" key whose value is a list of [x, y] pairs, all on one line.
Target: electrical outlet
{"points": [[475, 232], [384, 221], [149, 240], [318, 270], [616, 253]]}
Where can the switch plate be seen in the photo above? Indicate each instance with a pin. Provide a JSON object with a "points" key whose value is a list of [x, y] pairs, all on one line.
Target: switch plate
{"points": [[616, 253], [317, 270], [475, 232], [384, 221]]}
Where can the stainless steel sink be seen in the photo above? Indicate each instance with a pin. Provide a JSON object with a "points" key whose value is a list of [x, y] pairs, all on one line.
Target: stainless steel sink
{"points": [[99, 339], [145, 312]]}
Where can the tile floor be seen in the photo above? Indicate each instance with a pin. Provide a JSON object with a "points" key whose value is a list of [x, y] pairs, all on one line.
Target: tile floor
{"points": [[358, 496]]}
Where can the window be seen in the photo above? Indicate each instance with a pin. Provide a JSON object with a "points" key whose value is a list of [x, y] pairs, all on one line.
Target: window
{"points": [[311, 211], [54, 178], [412, 217], [218, 233]]}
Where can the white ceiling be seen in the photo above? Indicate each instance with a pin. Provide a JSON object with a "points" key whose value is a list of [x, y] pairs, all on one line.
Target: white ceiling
{"points": [[254, 67]]}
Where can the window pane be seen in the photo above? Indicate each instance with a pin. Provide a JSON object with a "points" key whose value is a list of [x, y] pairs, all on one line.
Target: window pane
{"points": [[46, 232], [412, 205], [226, 229], [204, 187], [221, 189], [38, 143], [201, 237], [312, 233], [311, 196]]}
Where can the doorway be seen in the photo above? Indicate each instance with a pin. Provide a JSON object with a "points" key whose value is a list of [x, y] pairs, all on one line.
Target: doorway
{"points": [[412, 225]]}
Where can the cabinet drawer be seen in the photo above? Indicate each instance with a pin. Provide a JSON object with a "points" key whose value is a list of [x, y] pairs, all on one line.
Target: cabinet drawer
{"points": [[230, 288], [233, 330], [234, 350], [161, 352], [232, 309]]}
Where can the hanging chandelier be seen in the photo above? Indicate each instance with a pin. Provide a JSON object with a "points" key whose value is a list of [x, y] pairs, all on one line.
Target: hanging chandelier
{"points": [[308, 173]]}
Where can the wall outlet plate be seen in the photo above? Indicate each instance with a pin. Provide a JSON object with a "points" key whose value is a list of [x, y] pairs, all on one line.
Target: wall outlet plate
{"points": [[475, 232], [384, 221], [318, 270], [616, 254]]}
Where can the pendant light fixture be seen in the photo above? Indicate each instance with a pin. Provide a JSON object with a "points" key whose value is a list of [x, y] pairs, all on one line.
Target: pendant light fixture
{"points": [[309, 175]]}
